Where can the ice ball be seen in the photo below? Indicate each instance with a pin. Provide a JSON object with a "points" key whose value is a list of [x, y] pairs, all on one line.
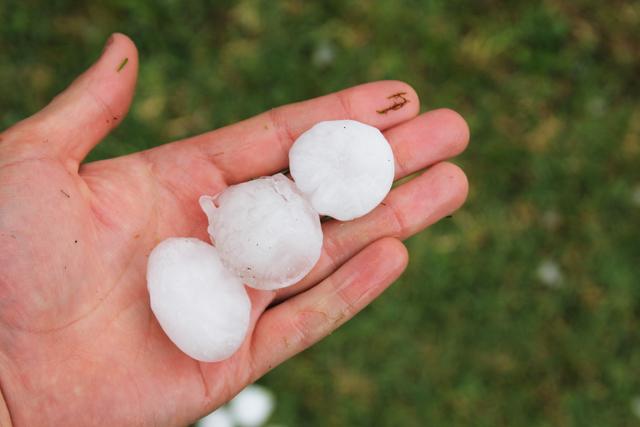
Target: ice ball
{"points": [[345, 168], [200, 305], [252, 406], [265, 231], [221, 417]]}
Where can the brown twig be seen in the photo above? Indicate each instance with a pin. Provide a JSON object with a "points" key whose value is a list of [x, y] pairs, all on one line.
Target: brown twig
{"points": [[398, 102], [123, 64]]}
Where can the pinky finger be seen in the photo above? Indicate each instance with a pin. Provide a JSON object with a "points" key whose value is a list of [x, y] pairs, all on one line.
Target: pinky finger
{"points": [[301, 321]]}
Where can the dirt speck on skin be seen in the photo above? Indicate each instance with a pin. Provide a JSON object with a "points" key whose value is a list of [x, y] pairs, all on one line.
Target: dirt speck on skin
{"points": [[67, 195], [398, 100], [75, 241], [338, 320]]}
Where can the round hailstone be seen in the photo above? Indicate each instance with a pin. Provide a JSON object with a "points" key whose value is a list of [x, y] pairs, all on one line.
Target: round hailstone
{"points": [[252, 406], [201, 306], [221, 417], [345, 168], [265, 231]]}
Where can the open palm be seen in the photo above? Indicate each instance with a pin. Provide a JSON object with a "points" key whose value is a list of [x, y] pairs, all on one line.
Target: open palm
{"points": [[78, 342]]}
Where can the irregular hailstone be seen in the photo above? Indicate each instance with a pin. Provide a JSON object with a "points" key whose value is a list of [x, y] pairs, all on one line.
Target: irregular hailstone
{"points": [[266, 233], [345, 168], [202, 307]]}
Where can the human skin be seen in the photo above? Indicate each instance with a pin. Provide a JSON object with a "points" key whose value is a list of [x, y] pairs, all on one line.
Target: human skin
{"points": [[78, 342]]}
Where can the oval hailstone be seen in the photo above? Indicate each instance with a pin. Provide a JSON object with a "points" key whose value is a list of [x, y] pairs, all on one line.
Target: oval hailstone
{"points": [[345, 168], [202, 307], [265, 231]]}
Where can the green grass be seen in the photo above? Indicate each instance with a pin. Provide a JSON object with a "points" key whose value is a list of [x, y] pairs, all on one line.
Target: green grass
{"points": [[469, 336]]}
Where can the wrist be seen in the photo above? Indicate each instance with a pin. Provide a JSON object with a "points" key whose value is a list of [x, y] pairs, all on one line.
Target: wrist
{"points": [[5, 417]]}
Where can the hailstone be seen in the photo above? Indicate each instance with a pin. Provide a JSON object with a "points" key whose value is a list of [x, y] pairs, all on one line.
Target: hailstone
{"points": [[202, 307], [252, 406], [221, 417], [345, 168], [265, 231]]}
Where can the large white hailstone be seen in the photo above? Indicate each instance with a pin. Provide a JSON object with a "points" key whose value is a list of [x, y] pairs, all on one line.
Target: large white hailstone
{"points": [[265, 231], [252, 406], [344, 167], [201, 306]]}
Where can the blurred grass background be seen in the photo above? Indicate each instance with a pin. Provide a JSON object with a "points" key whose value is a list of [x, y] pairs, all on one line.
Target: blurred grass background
{"points": [[522, 309]]}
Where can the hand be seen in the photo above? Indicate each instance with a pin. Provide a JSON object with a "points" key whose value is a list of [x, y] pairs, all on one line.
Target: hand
{"points": [[79, 344]]}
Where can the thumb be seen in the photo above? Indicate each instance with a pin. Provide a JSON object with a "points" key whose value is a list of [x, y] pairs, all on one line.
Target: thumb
{"points": [[78, 118]]}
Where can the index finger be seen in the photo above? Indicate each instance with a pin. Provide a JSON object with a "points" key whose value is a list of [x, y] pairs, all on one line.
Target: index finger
{"points": [[260, 145]]}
